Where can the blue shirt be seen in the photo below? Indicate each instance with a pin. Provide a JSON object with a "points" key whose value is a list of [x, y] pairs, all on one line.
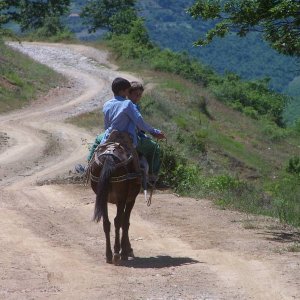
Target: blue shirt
{"points": [[122, 115]]}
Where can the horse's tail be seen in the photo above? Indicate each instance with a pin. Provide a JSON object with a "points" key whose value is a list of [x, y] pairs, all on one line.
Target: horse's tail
{"points": [[109, 166]]}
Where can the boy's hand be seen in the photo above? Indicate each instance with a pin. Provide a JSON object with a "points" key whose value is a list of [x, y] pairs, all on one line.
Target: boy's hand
{"points": [[159, 136]]}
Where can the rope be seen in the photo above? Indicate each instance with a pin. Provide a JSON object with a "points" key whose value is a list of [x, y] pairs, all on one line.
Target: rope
{"points": [[153, 186]]}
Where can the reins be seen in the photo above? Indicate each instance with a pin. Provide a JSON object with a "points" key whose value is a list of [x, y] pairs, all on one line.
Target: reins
{"points": [[153, 186]]}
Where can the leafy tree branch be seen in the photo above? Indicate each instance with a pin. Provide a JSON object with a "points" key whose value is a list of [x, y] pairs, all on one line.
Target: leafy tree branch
{"points": [[278, 20]]}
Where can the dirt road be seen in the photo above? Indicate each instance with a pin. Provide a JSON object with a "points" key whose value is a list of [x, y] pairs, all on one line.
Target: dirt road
{"points": [[185, 248]]}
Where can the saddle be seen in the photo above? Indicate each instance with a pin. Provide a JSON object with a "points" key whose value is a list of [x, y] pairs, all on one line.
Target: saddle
{"points": [[114, 149], [118, 145]]}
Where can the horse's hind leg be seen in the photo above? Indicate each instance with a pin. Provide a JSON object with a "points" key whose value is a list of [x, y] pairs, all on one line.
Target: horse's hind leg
{"points": [[106, 228], [125, 243], [118, 222]]}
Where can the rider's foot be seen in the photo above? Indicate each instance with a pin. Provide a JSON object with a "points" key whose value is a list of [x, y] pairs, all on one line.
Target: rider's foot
{"points": [[79, 168], [152, 179]]}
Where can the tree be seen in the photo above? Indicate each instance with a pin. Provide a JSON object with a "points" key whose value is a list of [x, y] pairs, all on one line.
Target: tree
{"points": [[278, 20], [31, 14], [7, 14], [116, 16]]}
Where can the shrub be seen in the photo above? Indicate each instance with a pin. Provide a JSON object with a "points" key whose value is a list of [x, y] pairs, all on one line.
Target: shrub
{"points": [[197, 141], [273, 132], [294, 165], [52, 30], [250, 112]]}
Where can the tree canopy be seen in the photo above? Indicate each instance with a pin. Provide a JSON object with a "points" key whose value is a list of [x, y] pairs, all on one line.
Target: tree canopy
{"points": [[31, 14], [278, 20], [115, 16]]}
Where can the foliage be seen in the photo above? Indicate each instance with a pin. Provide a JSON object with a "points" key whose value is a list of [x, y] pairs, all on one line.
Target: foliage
{"points": [[115, 16], [294, 165], [5, 17], [285, 192], [254, 98], [278, 20], [52, 30], [292, 112], [35, 14], [32, 14], [272, 132], [22, 79]]}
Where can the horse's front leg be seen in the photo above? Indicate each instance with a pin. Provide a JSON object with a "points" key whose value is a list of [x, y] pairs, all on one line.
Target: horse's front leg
{"points": [[125, 243]]}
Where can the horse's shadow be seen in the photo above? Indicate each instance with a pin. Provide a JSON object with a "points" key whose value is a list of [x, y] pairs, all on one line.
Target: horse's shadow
{"points": [[282, 236], [158, 262]]}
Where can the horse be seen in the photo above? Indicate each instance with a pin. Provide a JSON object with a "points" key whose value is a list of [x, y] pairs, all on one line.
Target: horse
{"points": [[115, 178]]}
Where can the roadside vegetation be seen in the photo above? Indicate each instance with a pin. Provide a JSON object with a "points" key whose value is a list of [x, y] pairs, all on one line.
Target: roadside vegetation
{"points": [[22, 79]]}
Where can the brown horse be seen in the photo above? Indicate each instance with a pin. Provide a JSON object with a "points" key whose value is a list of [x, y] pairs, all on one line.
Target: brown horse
{"points": [[115, 178]]}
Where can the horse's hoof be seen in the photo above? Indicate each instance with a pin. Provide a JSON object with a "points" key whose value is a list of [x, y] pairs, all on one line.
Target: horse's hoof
{"points": [[131, 254], [116, 258], [124, 257], [109, 260]]}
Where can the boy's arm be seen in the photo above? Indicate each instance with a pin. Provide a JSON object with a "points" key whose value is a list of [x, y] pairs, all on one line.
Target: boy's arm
{"points": [[138, 120]]}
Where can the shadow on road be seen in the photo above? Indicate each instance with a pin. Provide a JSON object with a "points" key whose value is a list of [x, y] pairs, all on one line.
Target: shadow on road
{"points": [[282, 236], [158, 262]]}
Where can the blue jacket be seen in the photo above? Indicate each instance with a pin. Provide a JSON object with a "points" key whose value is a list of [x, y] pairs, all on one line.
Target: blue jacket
{"points": [[122, 115]]}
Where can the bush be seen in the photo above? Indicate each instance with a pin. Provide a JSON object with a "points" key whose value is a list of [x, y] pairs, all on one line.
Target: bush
{"points": [[296, 126], [273, 132], [250, 112], [294, 166], [285, 191], [253, 98], [52, 30]]}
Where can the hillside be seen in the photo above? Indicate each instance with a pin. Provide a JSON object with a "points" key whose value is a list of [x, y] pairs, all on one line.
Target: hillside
{"points": [[213, 151], [22, 79], [250, 57]]}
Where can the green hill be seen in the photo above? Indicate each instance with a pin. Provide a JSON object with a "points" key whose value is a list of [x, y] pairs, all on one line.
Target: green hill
{"points": [[22, 79]]}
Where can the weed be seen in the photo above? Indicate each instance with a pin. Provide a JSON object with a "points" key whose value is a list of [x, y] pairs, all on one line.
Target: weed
{"points": [[249, 225], [294, 247]]}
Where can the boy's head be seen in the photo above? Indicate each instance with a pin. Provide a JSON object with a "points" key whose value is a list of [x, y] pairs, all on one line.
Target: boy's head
{"points": [[120, 87], [136, 91]]}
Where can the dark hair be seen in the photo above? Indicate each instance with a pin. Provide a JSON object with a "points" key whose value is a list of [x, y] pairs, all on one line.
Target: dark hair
{"points": [[120, 84], [136, 86]]}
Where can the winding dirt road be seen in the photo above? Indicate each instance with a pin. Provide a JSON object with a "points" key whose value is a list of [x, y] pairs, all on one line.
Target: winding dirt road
{"points": [[185, 248]]}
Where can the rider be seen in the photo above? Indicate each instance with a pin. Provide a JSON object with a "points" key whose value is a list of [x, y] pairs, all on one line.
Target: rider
{"points": [[122, 115], [144, 144]]}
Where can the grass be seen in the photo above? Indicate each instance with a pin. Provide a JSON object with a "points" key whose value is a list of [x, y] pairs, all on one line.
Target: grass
{"points": [[92, 121], [22, 79], [294, 247]]}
